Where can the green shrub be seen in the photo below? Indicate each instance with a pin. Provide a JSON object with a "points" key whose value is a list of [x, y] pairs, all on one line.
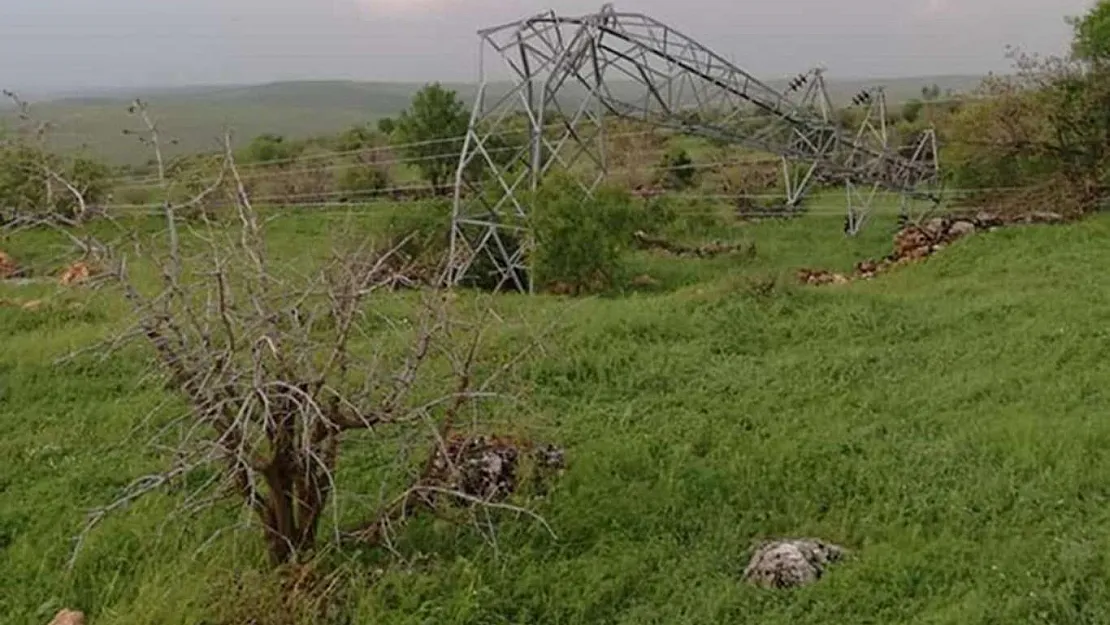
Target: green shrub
{"points": [[677, 171], [911, 110], [579, 244], [657, 214], [268, 148], [427, 224], [26, 188], [363, 180]]}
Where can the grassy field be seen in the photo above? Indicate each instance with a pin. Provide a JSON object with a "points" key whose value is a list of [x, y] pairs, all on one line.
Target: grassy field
{"points": [[196, 117], [945, 422]]}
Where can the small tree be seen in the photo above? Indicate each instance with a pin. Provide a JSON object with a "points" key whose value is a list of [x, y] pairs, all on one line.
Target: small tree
{"points": [[1046, 128], [279, 369], [431, 132], [1091, 40], [368, 173], [363, 179]]}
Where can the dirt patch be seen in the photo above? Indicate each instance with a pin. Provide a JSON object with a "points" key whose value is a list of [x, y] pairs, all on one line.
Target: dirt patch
{"points": [[707, 250], [486, 468], [562, 287], [8, 268], [915, 243], [791, 563], [76, 273], [68, 617], [821, 277]]}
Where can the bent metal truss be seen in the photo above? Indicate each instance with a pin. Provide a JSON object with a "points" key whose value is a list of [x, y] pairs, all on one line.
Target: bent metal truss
{"points": [[570, 75]]}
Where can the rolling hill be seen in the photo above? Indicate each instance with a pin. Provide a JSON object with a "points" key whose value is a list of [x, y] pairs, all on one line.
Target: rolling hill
{"points": [[195, 116]]}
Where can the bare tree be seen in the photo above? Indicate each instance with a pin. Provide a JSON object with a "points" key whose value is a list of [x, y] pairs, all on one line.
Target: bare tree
{"points": [[279, 365]]}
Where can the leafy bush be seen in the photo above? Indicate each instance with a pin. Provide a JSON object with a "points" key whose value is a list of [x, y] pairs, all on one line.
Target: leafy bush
{"points": [[682, 217], [364, 180], [580, 244], [268, 147], [677, 170], [427, 224], [359, 137], [31, 181], [657, 214], [911, 110], [1045, 128]]}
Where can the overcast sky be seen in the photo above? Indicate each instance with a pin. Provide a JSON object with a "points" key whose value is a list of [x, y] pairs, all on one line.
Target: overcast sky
{"points": [[65, 44]]}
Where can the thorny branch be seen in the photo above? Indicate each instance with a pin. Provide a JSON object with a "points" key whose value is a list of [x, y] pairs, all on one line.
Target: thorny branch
{"points": [[278, 367]]}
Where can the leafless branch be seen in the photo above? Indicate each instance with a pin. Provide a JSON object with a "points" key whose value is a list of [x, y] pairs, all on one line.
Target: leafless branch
{"points": [[278, 366]]}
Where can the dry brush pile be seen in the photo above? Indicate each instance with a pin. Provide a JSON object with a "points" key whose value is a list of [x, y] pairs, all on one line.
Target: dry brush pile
{"points": [[917, 242], [712, 249]]}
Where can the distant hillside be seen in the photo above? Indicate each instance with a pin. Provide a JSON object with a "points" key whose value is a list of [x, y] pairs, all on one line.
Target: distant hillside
{"points": [[195, 116]]}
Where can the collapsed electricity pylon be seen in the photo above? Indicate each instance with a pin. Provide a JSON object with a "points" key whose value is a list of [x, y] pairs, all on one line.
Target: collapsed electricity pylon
{"points": [[570, 73]]}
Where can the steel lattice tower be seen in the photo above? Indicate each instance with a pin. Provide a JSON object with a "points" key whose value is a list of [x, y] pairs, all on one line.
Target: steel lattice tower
{"points": [[570, 73]]}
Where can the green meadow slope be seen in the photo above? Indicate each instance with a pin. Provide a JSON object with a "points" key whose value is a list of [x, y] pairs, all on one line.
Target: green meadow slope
{"points": [[946, 422], [195, 117]]}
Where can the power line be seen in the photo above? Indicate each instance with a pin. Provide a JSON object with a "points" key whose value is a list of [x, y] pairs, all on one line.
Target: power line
{"points": [[447, 140], [393, 190]]}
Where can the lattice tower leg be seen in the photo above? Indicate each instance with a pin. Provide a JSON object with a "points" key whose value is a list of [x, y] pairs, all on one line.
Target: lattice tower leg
{"points": [[861, 200], [799, 178], [872, 134], [926, 202], [490, 220]]}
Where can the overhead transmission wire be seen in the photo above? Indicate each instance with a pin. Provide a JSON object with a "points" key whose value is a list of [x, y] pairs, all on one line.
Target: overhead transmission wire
{"points": [[357, 197], [143, 181], [153, 179], [331, 167], [384, 192], [387, 191], [264, 173]]}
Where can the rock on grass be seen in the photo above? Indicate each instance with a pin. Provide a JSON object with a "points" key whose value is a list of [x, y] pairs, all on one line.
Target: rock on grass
{"points": [[791, 563]]}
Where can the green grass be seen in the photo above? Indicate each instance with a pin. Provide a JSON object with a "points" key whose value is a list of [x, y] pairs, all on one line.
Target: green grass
{"points": [[946, 422]]}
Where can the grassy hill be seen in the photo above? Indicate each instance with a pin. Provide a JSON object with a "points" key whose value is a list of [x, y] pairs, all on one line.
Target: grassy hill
{"points": [[195, 116], [946, 422]]}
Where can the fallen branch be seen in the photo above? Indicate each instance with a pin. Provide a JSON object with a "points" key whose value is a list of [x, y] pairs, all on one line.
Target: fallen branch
{"points": [[708, 250]]}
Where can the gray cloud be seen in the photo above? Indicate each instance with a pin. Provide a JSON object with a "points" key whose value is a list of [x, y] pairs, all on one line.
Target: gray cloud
{"points": [[52, 44]]}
